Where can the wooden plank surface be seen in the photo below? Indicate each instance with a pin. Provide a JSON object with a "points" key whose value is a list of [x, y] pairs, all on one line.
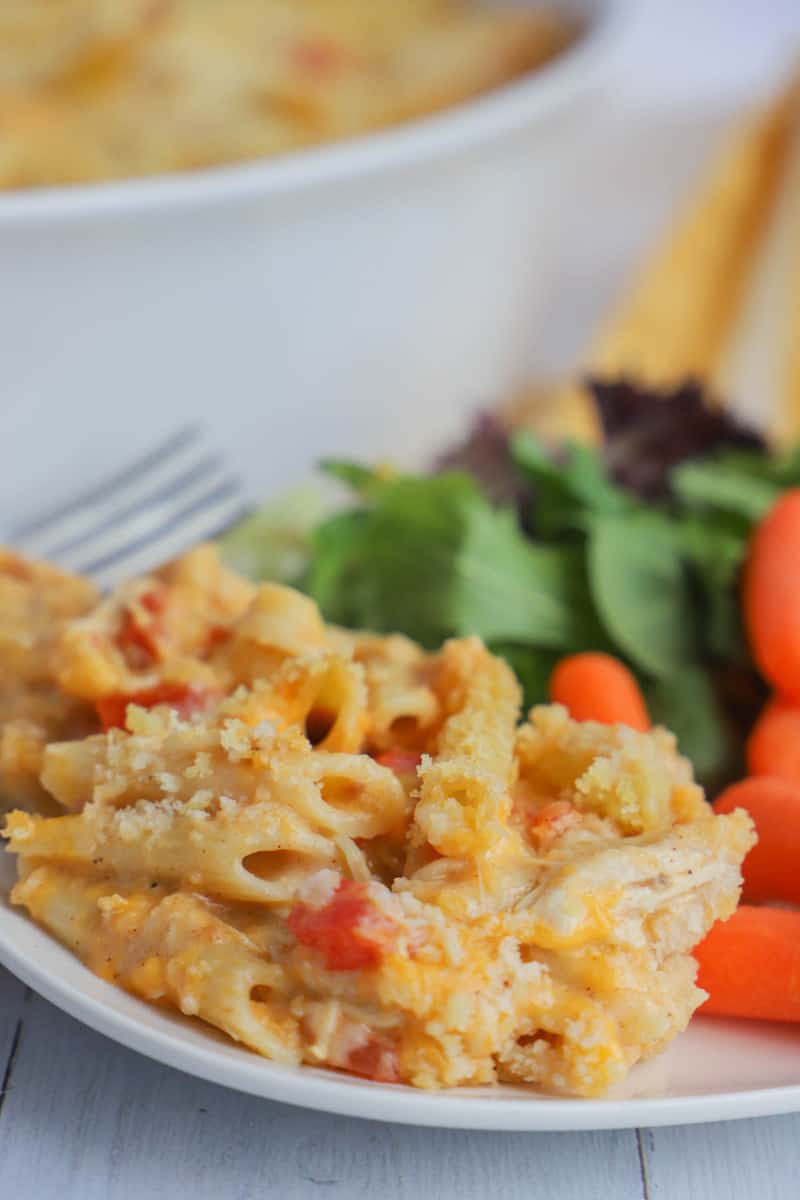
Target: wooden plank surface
{"points": [[14, 998], [90, 1120], [735, 1160], [81, 1117]]}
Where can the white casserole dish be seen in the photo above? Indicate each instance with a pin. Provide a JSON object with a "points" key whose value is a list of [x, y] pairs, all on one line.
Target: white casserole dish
{"points": [[352, 299]]}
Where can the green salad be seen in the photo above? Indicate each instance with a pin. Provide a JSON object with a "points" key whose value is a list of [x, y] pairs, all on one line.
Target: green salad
{"points": [[634, 546]]}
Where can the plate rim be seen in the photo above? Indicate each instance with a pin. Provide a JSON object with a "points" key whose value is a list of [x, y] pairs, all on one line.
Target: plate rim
{"points": [[397, 1104]]}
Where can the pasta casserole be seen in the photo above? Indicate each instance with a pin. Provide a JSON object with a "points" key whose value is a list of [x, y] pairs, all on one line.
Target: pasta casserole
{"points": [[109, 89], [342, 850]]}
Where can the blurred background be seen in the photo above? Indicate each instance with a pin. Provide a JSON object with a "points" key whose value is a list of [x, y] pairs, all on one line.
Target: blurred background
{"points": [[684, 73], [105, 347]]}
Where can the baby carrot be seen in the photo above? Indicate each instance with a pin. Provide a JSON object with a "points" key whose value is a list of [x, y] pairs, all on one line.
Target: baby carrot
{"points": [[750, 965], [598, 687], [772, 594], [773, 747], [772, 868]]}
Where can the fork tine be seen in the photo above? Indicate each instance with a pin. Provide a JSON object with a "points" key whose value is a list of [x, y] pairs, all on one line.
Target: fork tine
{"points": [[202, 518], [176, 495], [123, 522], [73, 522]]}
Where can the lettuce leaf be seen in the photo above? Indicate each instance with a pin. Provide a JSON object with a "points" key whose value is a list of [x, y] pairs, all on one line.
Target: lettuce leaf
{"points": [[641, 588], [431, 557], [689, 705], [275, 541], [568, 490]]}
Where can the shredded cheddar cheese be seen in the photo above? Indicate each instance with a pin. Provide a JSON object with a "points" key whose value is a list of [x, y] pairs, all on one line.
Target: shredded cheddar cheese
{"points": [[477, 901]]}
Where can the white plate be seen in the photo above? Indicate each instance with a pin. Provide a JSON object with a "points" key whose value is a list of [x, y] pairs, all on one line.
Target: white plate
{"points": [[716, 1070]]}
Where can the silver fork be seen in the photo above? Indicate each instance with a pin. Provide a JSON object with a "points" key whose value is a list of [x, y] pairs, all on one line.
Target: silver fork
{"points": [[179, 493]]}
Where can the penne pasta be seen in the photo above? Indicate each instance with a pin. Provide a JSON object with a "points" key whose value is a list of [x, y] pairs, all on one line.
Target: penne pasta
{"points": [[152, 630], [168, 948], [465, 794], [108, 90], [37, 603], [279, 624], [341, 850]]}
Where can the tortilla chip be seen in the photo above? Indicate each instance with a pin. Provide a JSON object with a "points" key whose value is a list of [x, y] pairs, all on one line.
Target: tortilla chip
{"points": [[675, 318], [554, 412]]}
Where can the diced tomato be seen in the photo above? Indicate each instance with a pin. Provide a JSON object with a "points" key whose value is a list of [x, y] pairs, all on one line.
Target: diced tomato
{"points": [[402, 762], [16, 567], [154, 601], [553, 820], [217, 634], [185, 698], [376, 1059], [350, 931], [137, 638], [319, 57]]}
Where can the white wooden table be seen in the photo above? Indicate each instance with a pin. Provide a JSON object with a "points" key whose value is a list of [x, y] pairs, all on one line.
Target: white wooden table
{"points": [[82, 1118]]}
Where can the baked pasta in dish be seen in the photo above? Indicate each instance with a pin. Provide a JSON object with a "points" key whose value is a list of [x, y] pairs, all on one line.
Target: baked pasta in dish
{"points": [[344, 851], [104, 89], [36, 602]]}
